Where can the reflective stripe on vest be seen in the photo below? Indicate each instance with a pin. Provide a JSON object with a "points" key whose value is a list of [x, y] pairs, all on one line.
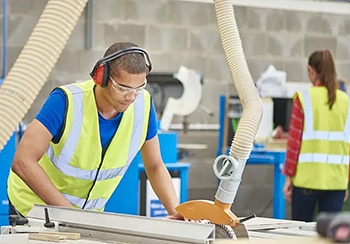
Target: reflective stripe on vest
{"points": [[311, 134], [324, 158], [90, 204], [62, 161]]}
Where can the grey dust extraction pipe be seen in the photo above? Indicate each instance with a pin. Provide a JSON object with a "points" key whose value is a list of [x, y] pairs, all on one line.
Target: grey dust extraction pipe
{"points": [[35, 62]]}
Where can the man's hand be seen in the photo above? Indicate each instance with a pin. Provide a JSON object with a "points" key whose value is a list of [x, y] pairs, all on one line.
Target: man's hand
{"points": [[175, 216]]}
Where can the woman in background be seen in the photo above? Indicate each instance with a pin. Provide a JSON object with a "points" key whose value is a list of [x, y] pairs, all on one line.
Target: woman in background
{"points": [[317, 159]]}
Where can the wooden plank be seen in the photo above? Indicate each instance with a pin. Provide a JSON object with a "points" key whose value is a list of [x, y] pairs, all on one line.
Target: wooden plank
{"points": [[67, 235], [53, 236], [293, 231], [260, 223], [45, 237]]}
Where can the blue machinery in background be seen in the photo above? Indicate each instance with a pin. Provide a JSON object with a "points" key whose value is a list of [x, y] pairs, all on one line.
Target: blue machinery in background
{"points": [[132, 195], [6, 156], [7, 153], [260, 156]]}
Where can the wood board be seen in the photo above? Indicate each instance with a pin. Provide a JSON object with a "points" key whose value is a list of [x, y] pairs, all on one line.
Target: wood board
{"points": [[260, 223]]}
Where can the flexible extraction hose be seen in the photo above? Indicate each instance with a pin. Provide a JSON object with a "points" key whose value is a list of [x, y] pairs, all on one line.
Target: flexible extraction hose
{"points": [[243, 141], [229, 168], [35, 62]]}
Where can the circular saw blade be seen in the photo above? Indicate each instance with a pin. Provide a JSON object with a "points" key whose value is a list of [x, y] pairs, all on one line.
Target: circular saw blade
{"points": [[224, 232]]}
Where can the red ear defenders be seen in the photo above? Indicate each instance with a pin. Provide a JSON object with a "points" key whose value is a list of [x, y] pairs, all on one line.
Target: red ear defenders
{"points": [[100, 72]]}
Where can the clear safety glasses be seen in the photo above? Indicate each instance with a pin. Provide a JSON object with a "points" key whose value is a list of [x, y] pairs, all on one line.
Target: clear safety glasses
{"points": [[127, 90]]}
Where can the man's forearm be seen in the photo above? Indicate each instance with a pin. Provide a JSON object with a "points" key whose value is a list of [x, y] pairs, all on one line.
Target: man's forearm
{"points": [[162, 185], [37, 180]]}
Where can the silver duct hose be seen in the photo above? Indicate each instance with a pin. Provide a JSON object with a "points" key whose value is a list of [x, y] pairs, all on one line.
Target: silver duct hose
{"points": [[229, 169], [35, 62]]}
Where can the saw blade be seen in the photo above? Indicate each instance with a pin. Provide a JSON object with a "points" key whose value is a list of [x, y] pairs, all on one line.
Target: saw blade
{"points": [[224, 232], [240, 231], [227, 231]]}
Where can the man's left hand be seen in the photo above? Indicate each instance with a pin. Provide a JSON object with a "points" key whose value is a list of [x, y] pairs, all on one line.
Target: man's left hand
{"points": [[175, 216]]}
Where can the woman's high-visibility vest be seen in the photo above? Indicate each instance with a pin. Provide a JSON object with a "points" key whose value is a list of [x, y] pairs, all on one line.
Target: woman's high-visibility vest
{"points": [[323, 162], [76, 164]]}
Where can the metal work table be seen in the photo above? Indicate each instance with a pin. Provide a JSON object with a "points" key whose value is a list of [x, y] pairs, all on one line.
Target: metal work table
{"points": [[98, 228], [23, 238], [276, 158]]}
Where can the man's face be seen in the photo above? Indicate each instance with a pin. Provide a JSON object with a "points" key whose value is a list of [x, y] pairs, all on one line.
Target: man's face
{"points": [[124, 88]]}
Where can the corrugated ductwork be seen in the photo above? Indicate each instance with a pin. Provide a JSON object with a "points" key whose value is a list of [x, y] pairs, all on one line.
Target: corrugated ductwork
{"points": [[36, 61], [248, 126]]}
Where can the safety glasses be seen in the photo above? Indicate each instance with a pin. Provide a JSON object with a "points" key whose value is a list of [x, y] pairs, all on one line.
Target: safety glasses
{"points": [[127, 90]]}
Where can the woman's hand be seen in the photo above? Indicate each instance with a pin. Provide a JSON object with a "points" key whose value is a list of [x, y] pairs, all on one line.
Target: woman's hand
{"points": [[346, 195], [287, 189]]}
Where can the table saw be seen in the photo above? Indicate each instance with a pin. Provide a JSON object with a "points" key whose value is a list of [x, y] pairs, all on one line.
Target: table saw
{"points": [[98, 227]]}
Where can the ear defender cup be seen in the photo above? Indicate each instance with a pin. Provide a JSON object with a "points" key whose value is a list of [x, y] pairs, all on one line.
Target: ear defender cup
{"points": [[100, 75], [100, 72]]}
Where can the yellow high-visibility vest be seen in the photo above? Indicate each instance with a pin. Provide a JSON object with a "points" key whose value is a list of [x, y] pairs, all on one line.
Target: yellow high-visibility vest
{"points": [[76, 165], [323, 162]]}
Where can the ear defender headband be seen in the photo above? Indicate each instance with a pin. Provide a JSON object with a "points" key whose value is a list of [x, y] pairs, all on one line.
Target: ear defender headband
{"points": [[100, 72]]}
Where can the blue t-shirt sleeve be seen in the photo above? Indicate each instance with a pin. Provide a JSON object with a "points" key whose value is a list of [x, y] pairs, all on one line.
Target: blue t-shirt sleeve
{"points": [[152, 125], [52, 113]]}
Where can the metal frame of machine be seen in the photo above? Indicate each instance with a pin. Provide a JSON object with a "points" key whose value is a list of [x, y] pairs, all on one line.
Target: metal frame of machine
{"points": [[99, 227], [115, 227]]}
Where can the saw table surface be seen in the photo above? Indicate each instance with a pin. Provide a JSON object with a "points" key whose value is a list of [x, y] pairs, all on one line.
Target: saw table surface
{"points": [[261, 231], [23, 239], [99, 228]]}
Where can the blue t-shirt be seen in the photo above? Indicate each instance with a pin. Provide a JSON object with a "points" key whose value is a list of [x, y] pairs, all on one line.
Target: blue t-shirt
{"points": [[52, 116]]}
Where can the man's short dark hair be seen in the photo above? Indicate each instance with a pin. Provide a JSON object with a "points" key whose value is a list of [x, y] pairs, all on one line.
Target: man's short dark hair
{"points": [[133, 63]]}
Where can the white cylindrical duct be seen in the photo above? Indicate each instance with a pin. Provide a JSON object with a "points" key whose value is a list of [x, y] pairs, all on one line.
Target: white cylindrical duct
{"points": [[35, 62]]}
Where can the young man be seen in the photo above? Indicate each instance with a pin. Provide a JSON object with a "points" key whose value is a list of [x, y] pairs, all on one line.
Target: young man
{"points": [[77, 149]]}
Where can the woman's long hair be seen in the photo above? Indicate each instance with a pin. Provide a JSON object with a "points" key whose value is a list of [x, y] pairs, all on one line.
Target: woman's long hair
{"points": [[323, 64]]}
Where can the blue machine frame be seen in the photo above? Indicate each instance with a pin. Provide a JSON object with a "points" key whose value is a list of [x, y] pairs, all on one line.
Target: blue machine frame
{"points": [[126, 198], [6, 157]]}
